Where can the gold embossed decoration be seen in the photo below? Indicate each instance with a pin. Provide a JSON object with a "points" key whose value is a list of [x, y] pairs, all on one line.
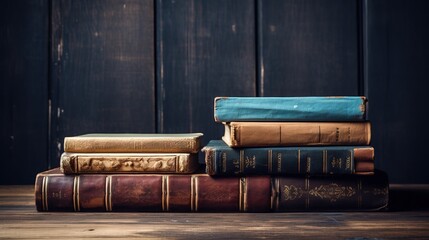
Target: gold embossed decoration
{"points": [[332, 192], [128, 164], [291, 192], [380, 191], [336, 163]]}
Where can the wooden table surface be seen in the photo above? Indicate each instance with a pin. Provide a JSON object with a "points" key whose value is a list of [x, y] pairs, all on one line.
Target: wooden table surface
{"points": [[407, 218]]}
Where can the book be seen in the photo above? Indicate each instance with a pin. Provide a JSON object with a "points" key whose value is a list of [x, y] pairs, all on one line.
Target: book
{"points": [[279, 109], [133, 143], [55, 191], [77, 163], [260, 134], [220, 159]]}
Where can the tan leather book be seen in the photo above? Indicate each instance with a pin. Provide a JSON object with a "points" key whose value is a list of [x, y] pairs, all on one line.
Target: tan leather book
{"points": [[75, 163], [259, 134], [134, 143]]}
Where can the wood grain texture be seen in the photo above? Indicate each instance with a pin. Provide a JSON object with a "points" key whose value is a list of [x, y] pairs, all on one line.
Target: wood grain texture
{"points": [[204, 49], [102, 68], [24, 90], [408, 220], [308, 47], [398, 60]]}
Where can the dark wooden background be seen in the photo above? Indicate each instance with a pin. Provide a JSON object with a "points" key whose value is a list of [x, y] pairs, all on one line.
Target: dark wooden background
{"points": [[73, 67]]}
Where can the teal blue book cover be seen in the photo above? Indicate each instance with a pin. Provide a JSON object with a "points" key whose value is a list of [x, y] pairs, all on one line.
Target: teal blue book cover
{"points": [[222, 160], [321, 108]]}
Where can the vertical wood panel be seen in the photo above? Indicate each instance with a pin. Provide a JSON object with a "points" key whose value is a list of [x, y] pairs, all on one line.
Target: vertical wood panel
{"points": [[308, 47], [204, 49], [24, 91], [398, 71], [102, 68]]}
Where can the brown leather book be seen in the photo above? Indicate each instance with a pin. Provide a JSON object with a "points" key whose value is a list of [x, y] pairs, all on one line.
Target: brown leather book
{"points": [[260, 134], [134, 143], [76, 163], [55, 191]]}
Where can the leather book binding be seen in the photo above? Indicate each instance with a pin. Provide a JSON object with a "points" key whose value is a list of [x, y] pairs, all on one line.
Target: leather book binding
{"points": [[55, 191], [260, 134]]}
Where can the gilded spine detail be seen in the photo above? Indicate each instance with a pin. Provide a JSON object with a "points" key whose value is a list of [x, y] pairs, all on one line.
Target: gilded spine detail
{"points": [[243, 195], [76, 200], [291, 192], [94, 163], [210, 161], [241, 161], [45, 193], [332, 192], [108, 194], [194, 194], [165, 193], [275, 193]]}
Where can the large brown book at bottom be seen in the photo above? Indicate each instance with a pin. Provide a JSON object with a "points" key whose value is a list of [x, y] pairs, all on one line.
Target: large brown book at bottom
{"points": [[55, 191]]}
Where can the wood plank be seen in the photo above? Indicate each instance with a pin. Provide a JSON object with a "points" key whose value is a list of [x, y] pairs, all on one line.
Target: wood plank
{"points": [[23, 222], [398, 63], [308, 47], [102, 68], [204, 49], [24, 90]]}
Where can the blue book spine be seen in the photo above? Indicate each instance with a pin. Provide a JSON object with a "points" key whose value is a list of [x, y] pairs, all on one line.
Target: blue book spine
{"points": [[223, 160], [346, 108]]}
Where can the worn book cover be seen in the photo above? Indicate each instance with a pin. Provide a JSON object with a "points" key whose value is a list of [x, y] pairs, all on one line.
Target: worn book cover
{"points": [[78, 163], [259, 134], [222, 160], [55, 191], [318, 108], [134, 143]]}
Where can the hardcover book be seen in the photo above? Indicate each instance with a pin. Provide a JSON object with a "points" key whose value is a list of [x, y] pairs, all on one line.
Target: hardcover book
{"points": [[55, 191], [77, 163], [278, 109], [259, 134], [133, 143], [223, 160]]}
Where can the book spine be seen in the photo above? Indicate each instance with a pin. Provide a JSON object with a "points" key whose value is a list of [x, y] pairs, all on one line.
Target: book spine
{"points": [[297, 133], [347, 192], [292, 160], [145, 192], [130, 145], [202, 193], [230, 109], [76, 163]]}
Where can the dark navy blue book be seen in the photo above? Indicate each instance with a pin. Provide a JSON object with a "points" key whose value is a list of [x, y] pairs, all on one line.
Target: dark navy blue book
{"points": [[222, 160]]}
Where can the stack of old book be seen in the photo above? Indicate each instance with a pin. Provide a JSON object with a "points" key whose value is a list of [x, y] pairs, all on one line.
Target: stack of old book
{"points": [[120, 172], [297, 153], [277, 154]]}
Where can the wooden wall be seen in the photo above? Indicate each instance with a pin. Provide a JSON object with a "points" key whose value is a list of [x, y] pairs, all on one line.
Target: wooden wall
{"points": [[73, 67]]}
